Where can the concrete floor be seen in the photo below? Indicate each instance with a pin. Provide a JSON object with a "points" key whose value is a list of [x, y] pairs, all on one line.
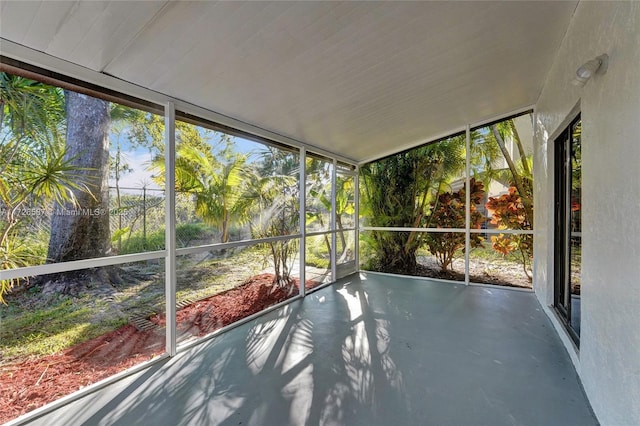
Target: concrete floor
{"points": [[369, 350]]}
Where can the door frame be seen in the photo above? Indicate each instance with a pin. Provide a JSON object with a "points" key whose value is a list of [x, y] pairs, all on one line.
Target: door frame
{"points": [[562, 228]]}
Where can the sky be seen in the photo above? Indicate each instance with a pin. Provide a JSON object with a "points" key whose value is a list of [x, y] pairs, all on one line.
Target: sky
{"points": [[139, 160]]}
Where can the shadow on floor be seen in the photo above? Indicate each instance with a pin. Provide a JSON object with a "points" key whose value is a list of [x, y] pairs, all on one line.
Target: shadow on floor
{"points": [[368, 350]]}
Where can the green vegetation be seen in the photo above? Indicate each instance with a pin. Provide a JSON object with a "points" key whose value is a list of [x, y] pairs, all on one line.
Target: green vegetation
{"points": [[417, 189], [509, 213], [215, 175], [225, 192], [185, 234], [228, 188], [52, 326], [397, 192], [274, 196], [138, 242], [449, 211], [32, 324], [34, 165], [317, 253]]}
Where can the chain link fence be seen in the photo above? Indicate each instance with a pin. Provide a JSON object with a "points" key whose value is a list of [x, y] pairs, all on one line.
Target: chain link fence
{"points": [[136, 219]]}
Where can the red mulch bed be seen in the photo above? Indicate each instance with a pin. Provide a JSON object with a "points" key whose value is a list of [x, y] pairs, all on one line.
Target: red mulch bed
{"points": [[28, 384]]}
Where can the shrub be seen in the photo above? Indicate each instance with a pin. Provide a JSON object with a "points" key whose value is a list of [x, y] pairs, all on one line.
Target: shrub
{"points": [[509, 213], [448, 211]]}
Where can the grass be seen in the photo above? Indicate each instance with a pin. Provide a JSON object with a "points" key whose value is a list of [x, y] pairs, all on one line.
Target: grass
{"points": [[484, 253], [34, 325], [51, 328], [210, 276], [316, 260], [185, 234], [317, 252], [489, 254]]}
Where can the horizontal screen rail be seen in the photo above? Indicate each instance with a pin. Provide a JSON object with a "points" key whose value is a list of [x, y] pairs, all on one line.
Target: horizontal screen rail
{"points": [[221, 246], [473, 231], [398, 229], [75, 265], [317, 233]]}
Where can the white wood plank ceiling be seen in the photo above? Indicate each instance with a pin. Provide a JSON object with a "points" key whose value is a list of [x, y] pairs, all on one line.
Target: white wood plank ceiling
{"points": [[360, 79]]}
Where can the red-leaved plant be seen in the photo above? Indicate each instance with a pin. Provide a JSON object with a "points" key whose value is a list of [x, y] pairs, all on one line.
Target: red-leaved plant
{"points": [[510, 212], [448, 211]]}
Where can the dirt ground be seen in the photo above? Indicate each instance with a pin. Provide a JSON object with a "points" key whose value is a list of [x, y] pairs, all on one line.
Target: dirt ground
{"points": [[480, 271], [28, 384]]}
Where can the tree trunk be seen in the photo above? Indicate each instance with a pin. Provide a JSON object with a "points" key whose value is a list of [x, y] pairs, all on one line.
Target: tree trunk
{"points": [[514, 171], [521, 151], [81, 231], [397, 256]]}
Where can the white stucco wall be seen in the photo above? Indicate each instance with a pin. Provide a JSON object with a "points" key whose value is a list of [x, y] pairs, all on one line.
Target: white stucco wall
{"points": [[609, 358]]}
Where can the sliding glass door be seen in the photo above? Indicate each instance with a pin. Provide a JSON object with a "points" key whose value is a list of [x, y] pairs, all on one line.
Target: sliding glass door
{"points": [[567, 225]]}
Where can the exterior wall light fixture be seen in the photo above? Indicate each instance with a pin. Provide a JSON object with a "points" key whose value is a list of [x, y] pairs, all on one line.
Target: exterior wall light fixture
{"points": [[597, 65]]}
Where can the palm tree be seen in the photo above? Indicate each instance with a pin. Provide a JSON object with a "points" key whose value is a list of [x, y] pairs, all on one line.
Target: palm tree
{"points": [[273, 194], [216, 181], [515, 209], [345, 205], [397, 191], [521, 176], [33, 164]]}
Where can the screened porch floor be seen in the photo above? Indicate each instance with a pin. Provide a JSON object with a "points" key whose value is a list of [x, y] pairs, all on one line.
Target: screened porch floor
{"points": [[368, 350]]}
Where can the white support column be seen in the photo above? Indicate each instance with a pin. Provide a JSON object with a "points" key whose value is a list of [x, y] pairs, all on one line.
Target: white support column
{"points": [[334, 268], [170, 226], [303, 219], [467, 227]]}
